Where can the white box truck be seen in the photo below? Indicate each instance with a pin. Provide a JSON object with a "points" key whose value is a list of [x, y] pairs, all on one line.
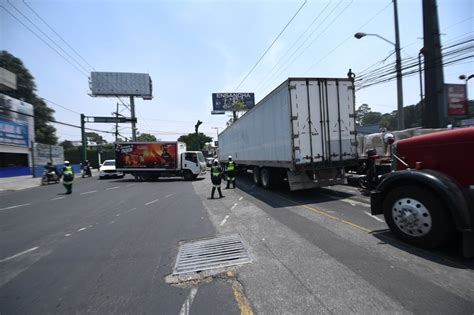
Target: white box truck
{"points": [[302, 132], [151, 160]]}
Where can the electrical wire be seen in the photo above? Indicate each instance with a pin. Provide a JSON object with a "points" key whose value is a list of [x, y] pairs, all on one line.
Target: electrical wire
{"points": [[271, 45]]}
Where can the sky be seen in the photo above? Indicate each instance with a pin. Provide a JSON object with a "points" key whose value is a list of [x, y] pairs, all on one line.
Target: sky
{"points": [[192, 49]]}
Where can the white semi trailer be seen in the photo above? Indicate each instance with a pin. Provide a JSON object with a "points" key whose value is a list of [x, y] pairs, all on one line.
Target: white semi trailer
{"points": [[303, 132]]}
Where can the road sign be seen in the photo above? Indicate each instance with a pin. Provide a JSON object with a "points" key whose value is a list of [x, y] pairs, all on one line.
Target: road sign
{"points": [[457, 101], [112, 119]]}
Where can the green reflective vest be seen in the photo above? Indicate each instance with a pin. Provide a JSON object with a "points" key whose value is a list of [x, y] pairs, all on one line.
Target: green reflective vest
{"points": [[231, 166], [215, 171]]}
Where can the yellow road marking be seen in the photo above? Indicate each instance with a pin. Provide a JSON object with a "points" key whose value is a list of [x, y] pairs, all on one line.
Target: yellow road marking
{"points": [[242, 301]]}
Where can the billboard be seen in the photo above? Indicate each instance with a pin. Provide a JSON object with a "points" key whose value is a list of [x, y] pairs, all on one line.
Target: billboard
{"points": [[146, 155], [120, 84], [15, 128], [222, 102], [43, 153], [457, 100]]}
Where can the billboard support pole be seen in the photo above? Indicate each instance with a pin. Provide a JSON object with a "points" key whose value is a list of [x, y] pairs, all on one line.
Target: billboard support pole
{"points": [[33, 159], [132, 111], [83, 138]]}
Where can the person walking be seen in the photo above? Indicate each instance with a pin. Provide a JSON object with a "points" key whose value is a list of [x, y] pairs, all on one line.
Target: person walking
{"points": [[230, 170], [216, 178], [68, 177]]}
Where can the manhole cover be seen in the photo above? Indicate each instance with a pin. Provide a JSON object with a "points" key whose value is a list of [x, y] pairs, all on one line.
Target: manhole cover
{"points": [[211, 253]]}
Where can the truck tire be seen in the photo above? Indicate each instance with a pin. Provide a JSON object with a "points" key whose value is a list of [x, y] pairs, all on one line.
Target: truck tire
{"points": [[188, 175], [417, 216], [256, 176], [266, 177]]}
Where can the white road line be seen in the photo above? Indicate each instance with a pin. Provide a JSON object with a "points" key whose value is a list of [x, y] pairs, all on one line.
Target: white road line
{"points": [[224, 221], [241, 198], [153, 201], [17, 206], [352, 202], [186, 307], [67, 235], [133, 209], [167, 196], [112, 222], [57, 198], [117, 215], [19, 254], [82, 229], [130, 185], [88, 192], [110, 188], [374, 217], [233, 207]]}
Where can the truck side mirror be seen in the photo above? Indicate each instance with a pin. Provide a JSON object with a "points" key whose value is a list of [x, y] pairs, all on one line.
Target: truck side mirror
{"points": [[388, 138]]}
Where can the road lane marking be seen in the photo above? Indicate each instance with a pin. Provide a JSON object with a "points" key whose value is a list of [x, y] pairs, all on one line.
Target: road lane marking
{"points": [[130, 185], [133, 209], [167, 196], [112, 222], [110, 188], [117, 215], [241, 299], [233, 207], [186, 307], [17, 206], [88, 192], [57, 198], [153, 201], [67, 235], [19, 254], [82, 229], [224, 221], [374, 217], [241, 198], [352, 202]]}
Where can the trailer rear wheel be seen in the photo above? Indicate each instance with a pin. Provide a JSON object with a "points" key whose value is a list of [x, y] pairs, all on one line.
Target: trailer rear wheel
{"points": [[416, 215], [266, 178], [256, 176]]}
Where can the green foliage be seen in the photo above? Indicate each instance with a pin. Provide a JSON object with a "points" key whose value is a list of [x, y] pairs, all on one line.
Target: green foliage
{"points": [[95, 137], [66, 144], [361, 112], [26, 87], [73, 155], [195, 141], [146, 137], [412, 117]]}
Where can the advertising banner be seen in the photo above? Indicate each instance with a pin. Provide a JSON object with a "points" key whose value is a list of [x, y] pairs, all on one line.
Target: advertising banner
{"points": [[146, 155], [121, 84], [43, 153], [457, 100], [15, 128], [13, 133], [222, 102]]}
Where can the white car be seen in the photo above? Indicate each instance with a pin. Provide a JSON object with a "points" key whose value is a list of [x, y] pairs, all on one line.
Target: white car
{"points": [[107, 170]]}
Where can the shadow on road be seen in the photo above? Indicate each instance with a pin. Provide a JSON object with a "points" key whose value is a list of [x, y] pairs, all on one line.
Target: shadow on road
{"points": [[159, 180], [449, 256]]}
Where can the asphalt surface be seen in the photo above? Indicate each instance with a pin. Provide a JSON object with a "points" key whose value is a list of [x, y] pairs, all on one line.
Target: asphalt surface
{"points": [[108, 247]]}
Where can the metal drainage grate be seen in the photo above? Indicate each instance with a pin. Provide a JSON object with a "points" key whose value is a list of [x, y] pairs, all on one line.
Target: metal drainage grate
{"points": [[212, 253]]}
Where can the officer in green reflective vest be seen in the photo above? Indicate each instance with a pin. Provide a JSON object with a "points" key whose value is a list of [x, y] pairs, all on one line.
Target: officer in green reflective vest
{"points": [[230, 170], [68, 177], [216, 178]]}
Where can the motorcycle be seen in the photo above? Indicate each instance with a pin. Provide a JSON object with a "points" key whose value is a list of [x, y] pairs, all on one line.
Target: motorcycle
{"points": [[49, 176], [86, 171]]}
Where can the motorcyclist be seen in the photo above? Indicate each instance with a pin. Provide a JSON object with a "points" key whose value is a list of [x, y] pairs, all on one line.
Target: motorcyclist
{"points": [[68, 177], [86, 168]]}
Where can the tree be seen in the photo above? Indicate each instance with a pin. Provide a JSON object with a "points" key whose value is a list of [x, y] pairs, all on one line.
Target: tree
{"points": [[95, 137], [26, 87], [195, 141], [238, 106], [66, 144], [371, 118], [146, 137], [361, 112]]}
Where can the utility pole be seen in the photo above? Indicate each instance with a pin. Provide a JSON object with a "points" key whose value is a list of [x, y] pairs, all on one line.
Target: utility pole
{"points": [[434, 105], [116, 123], [134, 120], [398, 66], [84, 140]]}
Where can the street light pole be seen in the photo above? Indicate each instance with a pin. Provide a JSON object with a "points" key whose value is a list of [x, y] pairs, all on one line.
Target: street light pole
{"points": [[398, 66]]}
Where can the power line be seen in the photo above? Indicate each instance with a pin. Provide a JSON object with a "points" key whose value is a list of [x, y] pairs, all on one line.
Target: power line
{"points": [[63, 107], [41, 39], [60, 37], [271, 45]]}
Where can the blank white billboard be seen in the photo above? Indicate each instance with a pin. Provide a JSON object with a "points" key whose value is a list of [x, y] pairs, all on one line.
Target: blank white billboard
{"points": [[120, 84]]}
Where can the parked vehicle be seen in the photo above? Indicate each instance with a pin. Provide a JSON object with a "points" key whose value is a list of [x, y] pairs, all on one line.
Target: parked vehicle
{"points": [[108, 170], [151, 160], [430, 198], [302, 132], [49, 176]]}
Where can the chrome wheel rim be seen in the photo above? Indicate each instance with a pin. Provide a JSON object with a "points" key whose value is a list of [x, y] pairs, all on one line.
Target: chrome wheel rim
{"points": [[411, 217]]}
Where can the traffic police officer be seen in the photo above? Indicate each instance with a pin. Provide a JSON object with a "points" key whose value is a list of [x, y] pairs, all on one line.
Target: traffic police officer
{"points": [[68, 177], [216, 178], [230, 169]]}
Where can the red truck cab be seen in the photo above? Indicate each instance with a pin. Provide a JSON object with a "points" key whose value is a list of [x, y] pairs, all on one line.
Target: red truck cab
{"points": [[430, 197]]}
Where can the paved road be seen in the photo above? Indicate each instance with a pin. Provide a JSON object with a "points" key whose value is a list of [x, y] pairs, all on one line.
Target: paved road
{"points": [[108, 247]]}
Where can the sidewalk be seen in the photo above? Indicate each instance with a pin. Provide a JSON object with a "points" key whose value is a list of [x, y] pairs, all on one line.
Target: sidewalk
{"points": [[27, 181]]}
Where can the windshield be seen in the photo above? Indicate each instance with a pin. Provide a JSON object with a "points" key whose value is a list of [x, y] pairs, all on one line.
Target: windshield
{"points": [[109, 163], [201, 157]]}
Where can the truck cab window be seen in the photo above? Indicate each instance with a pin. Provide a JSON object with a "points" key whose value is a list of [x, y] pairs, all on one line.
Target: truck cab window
{"points": [[191, 157]]}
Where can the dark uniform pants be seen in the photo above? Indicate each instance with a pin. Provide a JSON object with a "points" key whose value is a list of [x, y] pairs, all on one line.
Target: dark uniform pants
{"points": [[230, 179], [216, 184]]}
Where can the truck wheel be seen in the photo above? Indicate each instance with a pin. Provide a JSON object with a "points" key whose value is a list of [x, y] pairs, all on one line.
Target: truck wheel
{"points": [[417, 216], [256, 176], [266, 178], [188, 176]]}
